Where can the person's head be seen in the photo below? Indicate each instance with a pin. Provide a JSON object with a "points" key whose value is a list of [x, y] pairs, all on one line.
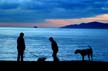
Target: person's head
{"points": [[51, 38], [21, 34]]}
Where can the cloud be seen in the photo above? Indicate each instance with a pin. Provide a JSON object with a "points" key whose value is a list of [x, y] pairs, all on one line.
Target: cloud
{"points": [[36, 11], [8, 6], [63, 22]]}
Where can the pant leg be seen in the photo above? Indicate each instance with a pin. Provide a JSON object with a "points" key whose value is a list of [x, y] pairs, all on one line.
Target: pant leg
{"points": [[18, 56], [22, 55]]}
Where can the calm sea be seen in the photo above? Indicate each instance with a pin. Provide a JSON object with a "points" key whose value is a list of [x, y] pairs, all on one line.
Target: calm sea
{"points": [[38, 44]]}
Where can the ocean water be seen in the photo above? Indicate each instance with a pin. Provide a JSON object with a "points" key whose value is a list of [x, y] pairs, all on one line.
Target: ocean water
{"points": [[38, 44]]}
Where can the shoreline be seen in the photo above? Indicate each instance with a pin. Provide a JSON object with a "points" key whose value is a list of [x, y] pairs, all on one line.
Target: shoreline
{"points": [[50, 65], [52, 62]]}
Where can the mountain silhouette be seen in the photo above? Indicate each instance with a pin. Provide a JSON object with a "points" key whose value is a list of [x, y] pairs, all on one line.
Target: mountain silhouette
{"points": [[92, 25]]}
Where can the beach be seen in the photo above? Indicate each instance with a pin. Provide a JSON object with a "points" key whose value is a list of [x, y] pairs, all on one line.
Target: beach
{"points": [[63, 63], [51, 66]]}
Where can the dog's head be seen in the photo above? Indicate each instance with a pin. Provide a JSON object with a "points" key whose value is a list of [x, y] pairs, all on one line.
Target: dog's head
{"points": [[41, 59], [76, 51]]}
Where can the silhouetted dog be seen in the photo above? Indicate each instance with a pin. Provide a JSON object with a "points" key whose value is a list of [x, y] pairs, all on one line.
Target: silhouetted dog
{"points": [[85, 52], [41, 59]]}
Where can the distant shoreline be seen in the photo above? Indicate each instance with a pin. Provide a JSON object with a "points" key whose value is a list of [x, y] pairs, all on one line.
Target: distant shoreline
{"points": [[82, 28], [89, 25]]}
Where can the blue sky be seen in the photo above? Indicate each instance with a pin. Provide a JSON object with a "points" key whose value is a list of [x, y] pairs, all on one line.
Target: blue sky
{"points": [[38, 11]]}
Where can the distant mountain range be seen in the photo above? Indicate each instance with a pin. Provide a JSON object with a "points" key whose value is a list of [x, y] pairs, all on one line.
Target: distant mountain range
{"points": [[90, 25]]}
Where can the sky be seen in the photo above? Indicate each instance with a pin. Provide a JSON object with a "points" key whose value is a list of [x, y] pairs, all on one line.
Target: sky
{"points": [[51, 13]]}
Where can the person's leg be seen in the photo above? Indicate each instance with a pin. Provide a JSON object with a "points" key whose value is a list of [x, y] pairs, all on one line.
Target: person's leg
{"points": [[22, 53], [55, 58], [18, 56], [54, 54]]}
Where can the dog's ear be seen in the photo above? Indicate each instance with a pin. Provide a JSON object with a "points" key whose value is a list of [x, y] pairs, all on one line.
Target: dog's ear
{"points": [[89, 46]]}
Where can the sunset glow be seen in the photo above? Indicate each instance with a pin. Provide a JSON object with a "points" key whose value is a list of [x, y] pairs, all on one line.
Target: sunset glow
{"points": [[62, 22]]}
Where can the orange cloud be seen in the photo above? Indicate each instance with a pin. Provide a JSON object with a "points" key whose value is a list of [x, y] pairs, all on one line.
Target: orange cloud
{"points": [[62, 22]]}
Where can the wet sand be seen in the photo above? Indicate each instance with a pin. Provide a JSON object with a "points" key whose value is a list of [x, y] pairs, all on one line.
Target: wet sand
{"points": [[60, 64]]}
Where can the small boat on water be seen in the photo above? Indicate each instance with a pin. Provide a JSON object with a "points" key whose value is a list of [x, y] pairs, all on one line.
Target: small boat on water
{"points": [[35, 27]]}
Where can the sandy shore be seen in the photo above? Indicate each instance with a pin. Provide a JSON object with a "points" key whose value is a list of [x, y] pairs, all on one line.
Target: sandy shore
{"points": [[54, 63], [52, 66]]}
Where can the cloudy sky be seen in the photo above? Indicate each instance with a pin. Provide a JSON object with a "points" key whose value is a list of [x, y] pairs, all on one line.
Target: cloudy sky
{"points": [[51, 13]]}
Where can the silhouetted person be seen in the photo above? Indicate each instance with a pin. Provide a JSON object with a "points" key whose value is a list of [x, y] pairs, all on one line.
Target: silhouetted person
{"points": [[20, 46], [54, 48]]}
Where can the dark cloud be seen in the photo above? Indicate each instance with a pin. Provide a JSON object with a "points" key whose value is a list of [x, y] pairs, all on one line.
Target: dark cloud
{"points": [[38, 10], [7, 6]]}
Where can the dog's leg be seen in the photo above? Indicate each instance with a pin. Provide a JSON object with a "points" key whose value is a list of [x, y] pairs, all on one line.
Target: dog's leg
{"points": [[89, 57], [82, 57]]}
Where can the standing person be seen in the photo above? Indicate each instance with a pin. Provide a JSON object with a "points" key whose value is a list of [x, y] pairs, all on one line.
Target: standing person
{"points": [[20, 46], [54, 48]]}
